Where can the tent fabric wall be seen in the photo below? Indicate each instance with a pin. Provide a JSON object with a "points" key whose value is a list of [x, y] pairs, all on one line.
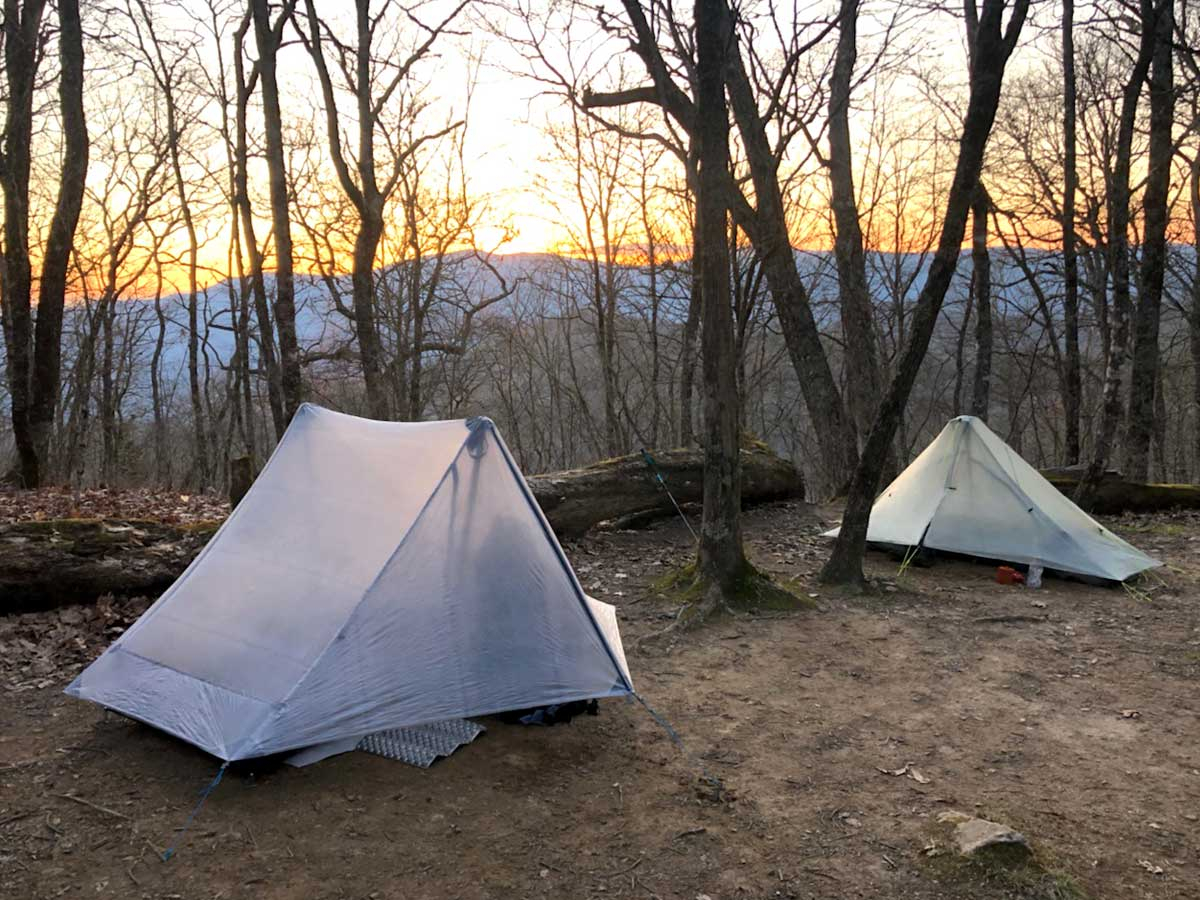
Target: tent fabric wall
{"points": [[376, 575], [969, 492]]}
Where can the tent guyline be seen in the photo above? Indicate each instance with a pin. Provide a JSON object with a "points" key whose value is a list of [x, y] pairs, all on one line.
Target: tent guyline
{"points": [[182, 832], [713, 781], [662, 483], [361, 544]]}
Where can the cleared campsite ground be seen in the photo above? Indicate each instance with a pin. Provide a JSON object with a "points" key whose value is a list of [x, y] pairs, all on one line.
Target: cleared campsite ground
{"points": [[1076, 722]]}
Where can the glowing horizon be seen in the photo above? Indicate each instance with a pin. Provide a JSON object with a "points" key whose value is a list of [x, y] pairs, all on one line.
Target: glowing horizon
{"points": [[513, 165]]}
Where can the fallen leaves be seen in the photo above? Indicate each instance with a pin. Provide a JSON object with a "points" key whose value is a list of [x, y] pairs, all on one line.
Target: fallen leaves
{"points": [[43, 649], [168, 507]]}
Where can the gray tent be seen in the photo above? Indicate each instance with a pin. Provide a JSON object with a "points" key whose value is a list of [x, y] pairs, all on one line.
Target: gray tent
{"points": [[377, 575]]}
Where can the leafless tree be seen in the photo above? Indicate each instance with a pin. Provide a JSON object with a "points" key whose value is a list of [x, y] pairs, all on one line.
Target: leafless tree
{"points": [[23, 46], [373, 78], [993, 44], [1118, 196], [1156, 206]]}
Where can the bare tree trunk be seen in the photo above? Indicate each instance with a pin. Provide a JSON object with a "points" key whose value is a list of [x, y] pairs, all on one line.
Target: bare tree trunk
{"points": [[162, 465], [166, 76], [864, 376], [366, 244], [1194, 315], [768, 231], [364, 189], [722, 559], [687, 364], [991, 47], [1073, 383], [1118, 256], [47, 362], [108, 410], [1143, 375], [766, 226], [199, 427], [22, 28], [268, 39], [241, 200], [981, 291], [960, 344]]}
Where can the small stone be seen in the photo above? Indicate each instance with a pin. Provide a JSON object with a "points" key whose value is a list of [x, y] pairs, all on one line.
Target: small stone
{"points": [[973, 836]]}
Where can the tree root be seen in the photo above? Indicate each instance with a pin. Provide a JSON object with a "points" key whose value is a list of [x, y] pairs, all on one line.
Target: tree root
{"points": [[702, 600]]}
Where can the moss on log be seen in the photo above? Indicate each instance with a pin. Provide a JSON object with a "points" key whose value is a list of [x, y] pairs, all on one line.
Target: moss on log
{"points": [[60, 561], [1116, 495]]}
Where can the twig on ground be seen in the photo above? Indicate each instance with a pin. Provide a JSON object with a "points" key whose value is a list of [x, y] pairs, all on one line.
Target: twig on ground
{"points": [[812, 871], [95, 806], [18, 817], [624, 871]]}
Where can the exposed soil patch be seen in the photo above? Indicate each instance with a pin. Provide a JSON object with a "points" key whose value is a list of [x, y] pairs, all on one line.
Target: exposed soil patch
{"points": [[1075, 722]]}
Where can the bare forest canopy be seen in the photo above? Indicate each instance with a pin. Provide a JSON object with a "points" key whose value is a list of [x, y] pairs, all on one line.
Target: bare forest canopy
{"points": [[217, 209]]}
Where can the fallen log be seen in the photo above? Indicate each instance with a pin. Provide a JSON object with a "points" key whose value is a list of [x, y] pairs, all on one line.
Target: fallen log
{"points": [[1116, 495], [624, 489], [55, 562]]}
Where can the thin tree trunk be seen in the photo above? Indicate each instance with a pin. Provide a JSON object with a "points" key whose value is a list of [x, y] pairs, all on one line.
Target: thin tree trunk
{"points": [[366, 244], [1194, 316], [415, 401], [981, 291], [960, 344], [165, 75], [1143, 375], [1072, 382], [285, 289], [22, 26], [47, 360], [721, 556], [241, 199], [1118, 261], [991, 48], [863, 374], [687, 363], [768, 231], [162, 465], [108, 412]]}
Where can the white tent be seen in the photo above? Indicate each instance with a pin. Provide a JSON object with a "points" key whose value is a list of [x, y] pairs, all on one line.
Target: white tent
{"points": [[970, 493], [377, 575]]}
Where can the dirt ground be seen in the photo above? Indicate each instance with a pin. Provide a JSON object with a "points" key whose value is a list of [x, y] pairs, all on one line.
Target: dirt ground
{"points": [[1070, 713]]}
